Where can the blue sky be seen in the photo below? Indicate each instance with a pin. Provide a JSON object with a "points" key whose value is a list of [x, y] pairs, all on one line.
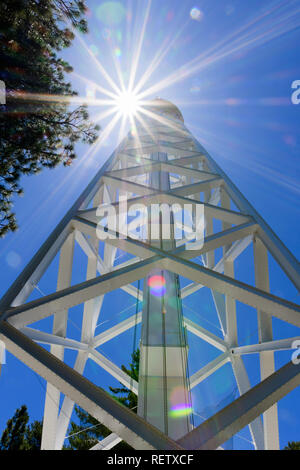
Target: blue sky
{"points": [[232, 64]]}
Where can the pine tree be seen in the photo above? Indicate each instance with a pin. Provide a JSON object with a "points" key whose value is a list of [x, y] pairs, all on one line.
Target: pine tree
{"points": [[292, 446], [13, 437], [33, 435], [89, 431], [128, 398], [38, 128], [19, 435]]}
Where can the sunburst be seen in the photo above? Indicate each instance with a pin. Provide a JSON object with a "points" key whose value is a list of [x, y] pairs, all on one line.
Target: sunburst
{"points": [[129, 104]]}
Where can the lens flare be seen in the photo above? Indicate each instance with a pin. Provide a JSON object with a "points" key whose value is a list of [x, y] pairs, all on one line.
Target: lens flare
{"points": [[13, 259], [111, 13], [181, 410], [94, 49], [179, 405], [117, 52], [127, 104], [195, 89], [196, 14], [157, 285]]}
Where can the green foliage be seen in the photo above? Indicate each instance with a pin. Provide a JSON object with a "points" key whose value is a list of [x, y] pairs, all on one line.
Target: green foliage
{"points": [[128, 398], [18, 435], [292, 446], [38, 128], [13, 437], [33, 435], [89, 431]]}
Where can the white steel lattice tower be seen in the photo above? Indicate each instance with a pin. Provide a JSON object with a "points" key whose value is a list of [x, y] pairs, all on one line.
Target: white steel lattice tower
{"points": [[158, 168]]}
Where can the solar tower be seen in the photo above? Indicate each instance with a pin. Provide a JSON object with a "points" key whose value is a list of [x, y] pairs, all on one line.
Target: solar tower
{"points": [[159, 224]]}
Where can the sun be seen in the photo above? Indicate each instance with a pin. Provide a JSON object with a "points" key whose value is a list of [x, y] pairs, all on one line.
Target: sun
{"points": [[127, 104]]}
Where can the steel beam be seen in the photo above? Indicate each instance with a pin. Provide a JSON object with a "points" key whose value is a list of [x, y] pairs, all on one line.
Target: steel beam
{"points": [[59, 329], [130, 427], [227, 422], [108, 443], [276, 247], [267, 360], [113, 370], [75, 295], [208, 369], [277, 345]]}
